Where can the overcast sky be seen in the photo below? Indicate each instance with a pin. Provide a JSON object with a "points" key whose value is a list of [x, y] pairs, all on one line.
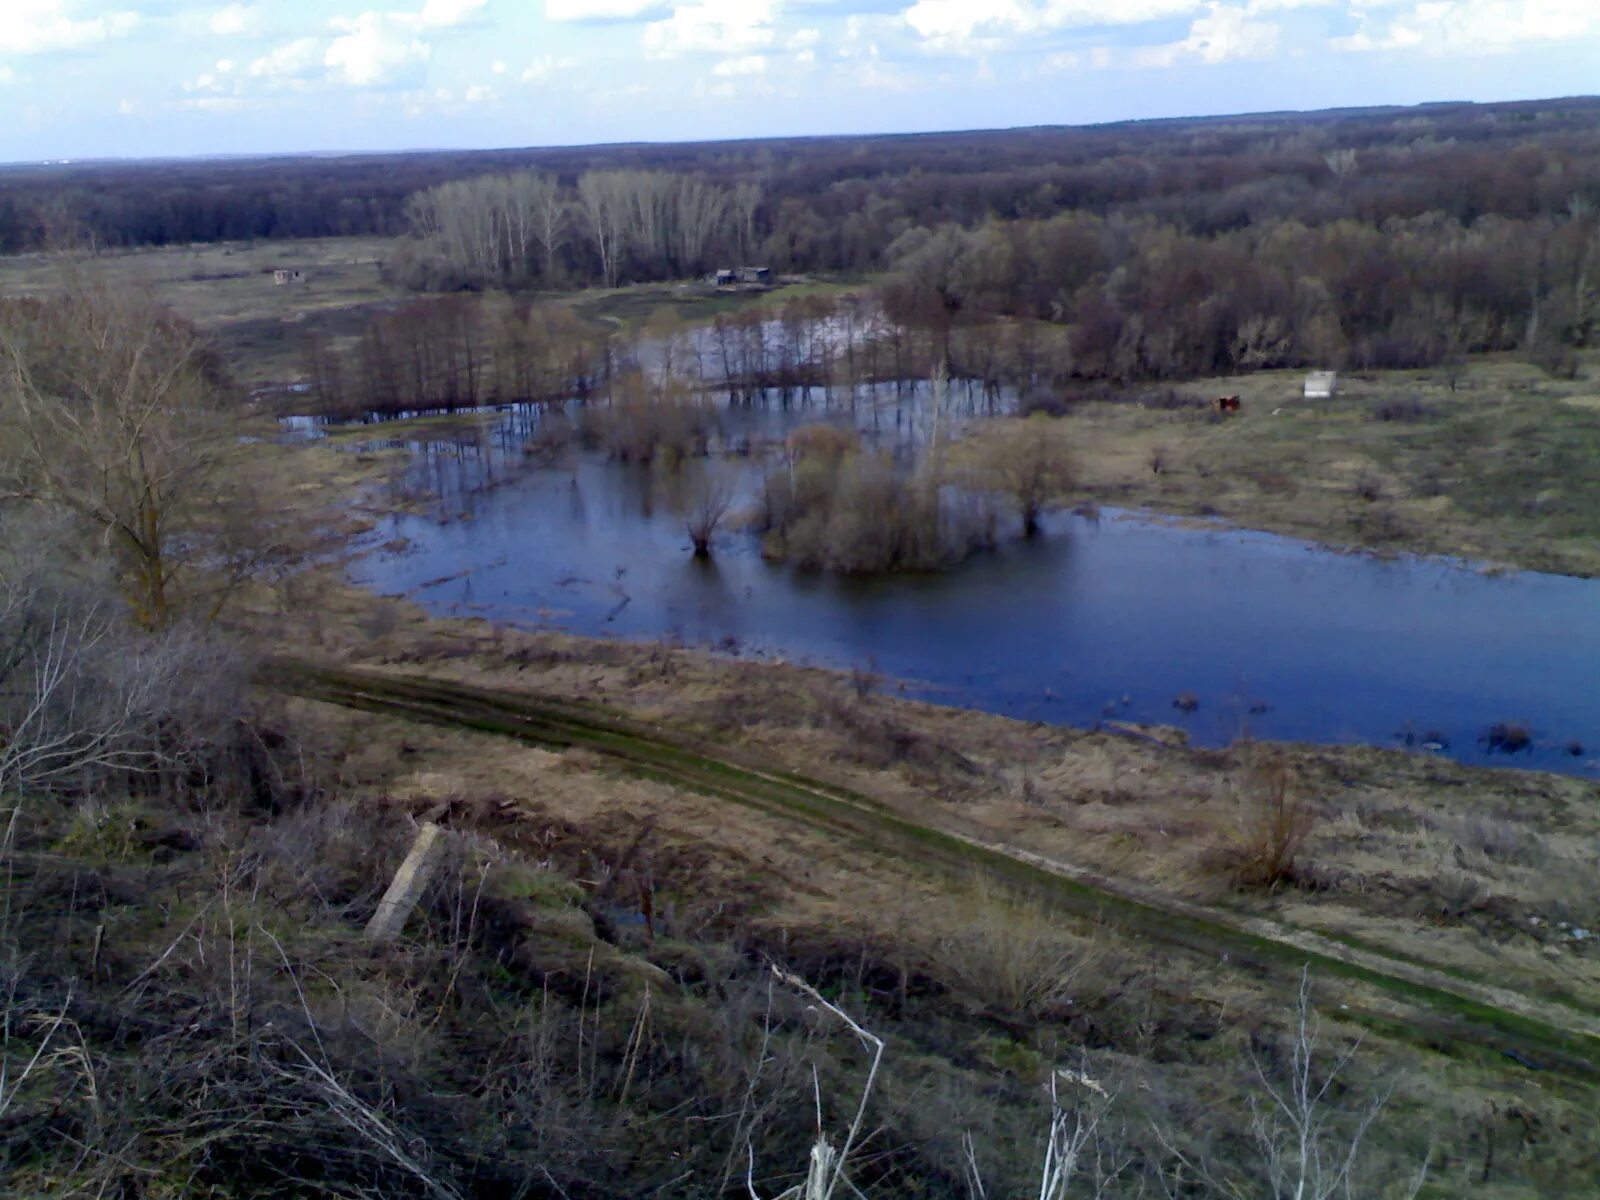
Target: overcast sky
{"points": [[82, 78]]}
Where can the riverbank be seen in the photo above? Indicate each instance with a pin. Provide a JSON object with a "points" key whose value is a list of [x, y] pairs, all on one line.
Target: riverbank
{"points": [[1476, 870], [1500, 469]]}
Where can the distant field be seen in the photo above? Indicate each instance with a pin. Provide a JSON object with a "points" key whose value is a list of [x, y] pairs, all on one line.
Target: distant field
{"points": [[228, 289]]}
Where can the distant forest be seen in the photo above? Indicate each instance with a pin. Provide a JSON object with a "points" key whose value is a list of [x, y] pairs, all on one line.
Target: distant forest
{"points": [[1396, 237]]}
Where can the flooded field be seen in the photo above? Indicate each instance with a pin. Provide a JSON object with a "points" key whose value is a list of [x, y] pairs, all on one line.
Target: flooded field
{"points": [[1112, 616]]}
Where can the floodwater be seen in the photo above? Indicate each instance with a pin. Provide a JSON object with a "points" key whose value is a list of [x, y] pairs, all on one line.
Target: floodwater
{"points": [[1112, 617]]}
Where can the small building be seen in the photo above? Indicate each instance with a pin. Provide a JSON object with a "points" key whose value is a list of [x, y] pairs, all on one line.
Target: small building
{"points": [[284, 275], [743, 277], [1321, 385]]}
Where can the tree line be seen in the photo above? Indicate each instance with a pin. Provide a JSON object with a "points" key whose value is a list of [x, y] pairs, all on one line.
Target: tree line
{"points": [[524, 228], [1141, 299], [444, 353], [838, 203]]}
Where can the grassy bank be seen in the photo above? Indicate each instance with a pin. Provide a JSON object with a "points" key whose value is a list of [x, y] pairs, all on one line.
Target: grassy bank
{"points": [[1474, 871], [1499, 469]]}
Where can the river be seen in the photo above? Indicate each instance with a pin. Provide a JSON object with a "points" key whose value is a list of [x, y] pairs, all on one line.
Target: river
{"points": [[1110, 616]]}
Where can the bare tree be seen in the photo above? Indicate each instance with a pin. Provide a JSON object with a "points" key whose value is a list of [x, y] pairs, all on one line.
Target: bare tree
{"points": [[113, 411], [1308, 1122], [1028, 461], [602, 197], [706, 505], [747, 198]]}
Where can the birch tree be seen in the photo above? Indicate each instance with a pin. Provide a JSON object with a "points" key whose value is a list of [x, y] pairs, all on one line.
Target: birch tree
{"points": [[602, 197]]}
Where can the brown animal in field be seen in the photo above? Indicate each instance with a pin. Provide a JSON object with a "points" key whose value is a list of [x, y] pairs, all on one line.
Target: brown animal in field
{"points": [[1226, 404]]}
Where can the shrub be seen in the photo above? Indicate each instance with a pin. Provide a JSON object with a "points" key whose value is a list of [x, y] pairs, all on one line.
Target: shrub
{"points": [[641, 424], [1012, 954], [1273, 827], [1556, 360], [857, 514], [1406, 411]]}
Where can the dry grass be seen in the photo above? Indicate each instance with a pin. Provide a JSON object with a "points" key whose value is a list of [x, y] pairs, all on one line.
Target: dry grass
{"points": [[1274, 825], [1007, 952], [1146, 808], [227, 289]]}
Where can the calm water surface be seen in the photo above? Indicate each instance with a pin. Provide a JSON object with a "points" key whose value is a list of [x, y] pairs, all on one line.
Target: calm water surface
{"points": [[1112, 617]]}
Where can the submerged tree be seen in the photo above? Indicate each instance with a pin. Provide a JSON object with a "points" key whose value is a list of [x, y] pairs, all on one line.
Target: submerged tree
{"points": [[706, 503], [1028, 461]]}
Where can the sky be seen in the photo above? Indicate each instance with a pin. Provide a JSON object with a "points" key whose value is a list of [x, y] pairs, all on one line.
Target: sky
{"points": [[148, 78]]}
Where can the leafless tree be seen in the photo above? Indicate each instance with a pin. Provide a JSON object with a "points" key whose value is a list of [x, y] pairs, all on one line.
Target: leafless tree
{"points": [[1028, 461], [1308, 1122], [602, 197], [706, 504], [112, 410]]}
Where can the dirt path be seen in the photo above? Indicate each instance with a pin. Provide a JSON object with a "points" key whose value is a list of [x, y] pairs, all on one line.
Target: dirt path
{"points": [[1418, 1002]]}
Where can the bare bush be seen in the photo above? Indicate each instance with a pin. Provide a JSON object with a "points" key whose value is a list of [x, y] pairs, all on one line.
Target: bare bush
{"points": [[1013, 954], [84, 694], [1405, 411], [1508, 737], [1309, 1126], [1274, 824], [709, 497], [645, 422], [856, 513]]}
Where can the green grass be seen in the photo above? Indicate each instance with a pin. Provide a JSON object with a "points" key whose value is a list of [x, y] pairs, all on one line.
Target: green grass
{"points": [[692, 303], [1501, 470]]}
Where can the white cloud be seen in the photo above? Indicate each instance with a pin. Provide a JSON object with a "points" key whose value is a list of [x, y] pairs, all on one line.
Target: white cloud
{"points": [[603, 10], [292, 60], [1470, 25], [237, 20], [499, 67], [733, 27], [1222, 35], [126, 107], [42, 26], [862, 35], [1258, 8], [976, 26], [750, 64], [374, 50], [541, 70], [7, 75], [441, 14]]}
